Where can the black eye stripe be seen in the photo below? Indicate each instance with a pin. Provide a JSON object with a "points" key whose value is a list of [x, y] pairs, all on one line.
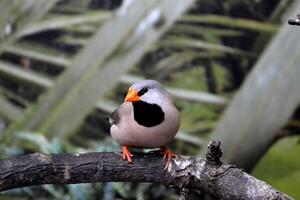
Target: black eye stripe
{"points": [[142, 91]]}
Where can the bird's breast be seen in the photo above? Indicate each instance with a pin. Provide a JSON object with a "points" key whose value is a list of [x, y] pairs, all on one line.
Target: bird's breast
{"points": [[139, 133]]}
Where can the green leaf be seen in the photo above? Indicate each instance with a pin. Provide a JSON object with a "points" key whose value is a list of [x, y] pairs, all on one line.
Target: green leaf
{"points": [[280, 167], [245, 24], [16, 14], [198, 30], [39, 52], [35, 141], [184, 43], [9, 110], [57, 22], [19, 74]]}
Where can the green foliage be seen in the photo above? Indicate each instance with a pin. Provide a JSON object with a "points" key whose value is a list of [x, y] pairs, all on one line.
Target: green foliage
{"points": [[280, 166], [193, 79], [39, 143], [193, 114], [233, 23]]}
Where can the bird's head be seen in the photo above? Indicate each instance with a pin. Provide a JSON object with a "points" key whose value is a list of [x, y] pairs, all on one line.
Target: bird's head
{"points": [[149, 91]]}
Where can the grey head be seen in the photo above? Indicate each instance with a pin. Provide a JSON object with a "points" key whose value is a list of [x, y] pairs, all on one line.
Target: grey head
{"points": [[151, 91]]}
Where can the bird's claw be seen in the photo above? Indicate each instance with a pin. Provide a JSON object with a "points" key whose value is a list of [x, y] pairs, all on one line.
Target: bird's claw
{"points": [[126, 154], [168, 155]]}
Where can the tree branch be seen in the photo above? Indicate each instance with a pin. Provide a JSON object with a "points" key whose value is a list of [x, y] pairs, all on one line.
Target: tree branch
{"points": [[203, 174]]}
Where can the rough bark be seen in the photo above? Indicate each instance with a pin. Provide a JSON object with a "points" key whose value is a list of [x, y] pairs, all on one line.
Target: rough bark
{"points": [[203, 174]]}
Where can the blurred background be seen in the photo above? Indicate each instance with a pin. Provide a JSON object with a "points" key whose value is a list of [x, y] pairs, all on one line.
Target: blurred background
{"points": [[231, 65]]}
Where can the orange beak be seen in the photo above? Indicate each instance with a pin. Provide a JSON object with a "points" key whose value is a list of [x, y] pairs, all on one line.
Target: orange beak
{"points": [[132, 96]]}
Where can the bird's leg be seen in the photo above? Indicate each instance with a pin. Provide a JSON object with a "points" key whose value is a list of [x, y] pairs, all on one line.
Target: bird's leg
{"points": [[168, 155], [126, 154]]}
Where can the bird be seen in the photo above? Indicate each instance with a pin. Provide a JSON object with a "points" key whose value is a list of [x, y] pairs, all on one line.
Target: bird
{"points": [[147, 119]]}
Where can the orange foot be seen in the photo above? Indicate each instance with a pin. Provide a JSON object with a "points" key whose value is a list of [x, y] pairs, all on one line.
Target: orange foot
{"points": [[126, 154], [168, 155]]}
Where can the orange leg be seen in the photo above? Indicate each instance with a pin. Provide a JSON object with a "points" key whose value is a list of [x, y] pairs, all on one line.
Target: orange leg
{"points": [[168, 155], [126, 154]]}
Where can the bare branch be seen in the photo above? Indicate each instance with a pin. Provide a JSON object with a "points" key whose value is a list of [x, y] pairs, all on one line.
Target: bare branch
{"points": [[203, 174]]}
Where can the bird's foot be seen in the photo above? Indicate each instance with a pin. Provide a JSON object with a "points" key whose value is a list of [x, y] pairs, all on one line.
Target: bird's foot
{"points": [[126, 154], [168, 155]]}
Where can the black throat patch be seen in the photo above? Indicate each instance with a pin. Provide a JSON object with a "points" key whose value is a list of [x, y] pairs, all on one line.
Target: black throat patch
{"points": [[146, 114]]}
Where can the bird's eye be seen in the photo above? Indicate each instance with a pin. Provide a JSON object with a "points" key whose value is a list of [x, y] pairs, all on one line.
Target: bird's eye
{"points": [[142, 91]]}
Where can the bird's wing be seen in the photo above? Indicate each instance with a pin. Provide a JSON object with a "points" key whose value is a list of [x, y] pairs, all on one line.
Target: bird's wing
{"points": [[114, 117]]}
